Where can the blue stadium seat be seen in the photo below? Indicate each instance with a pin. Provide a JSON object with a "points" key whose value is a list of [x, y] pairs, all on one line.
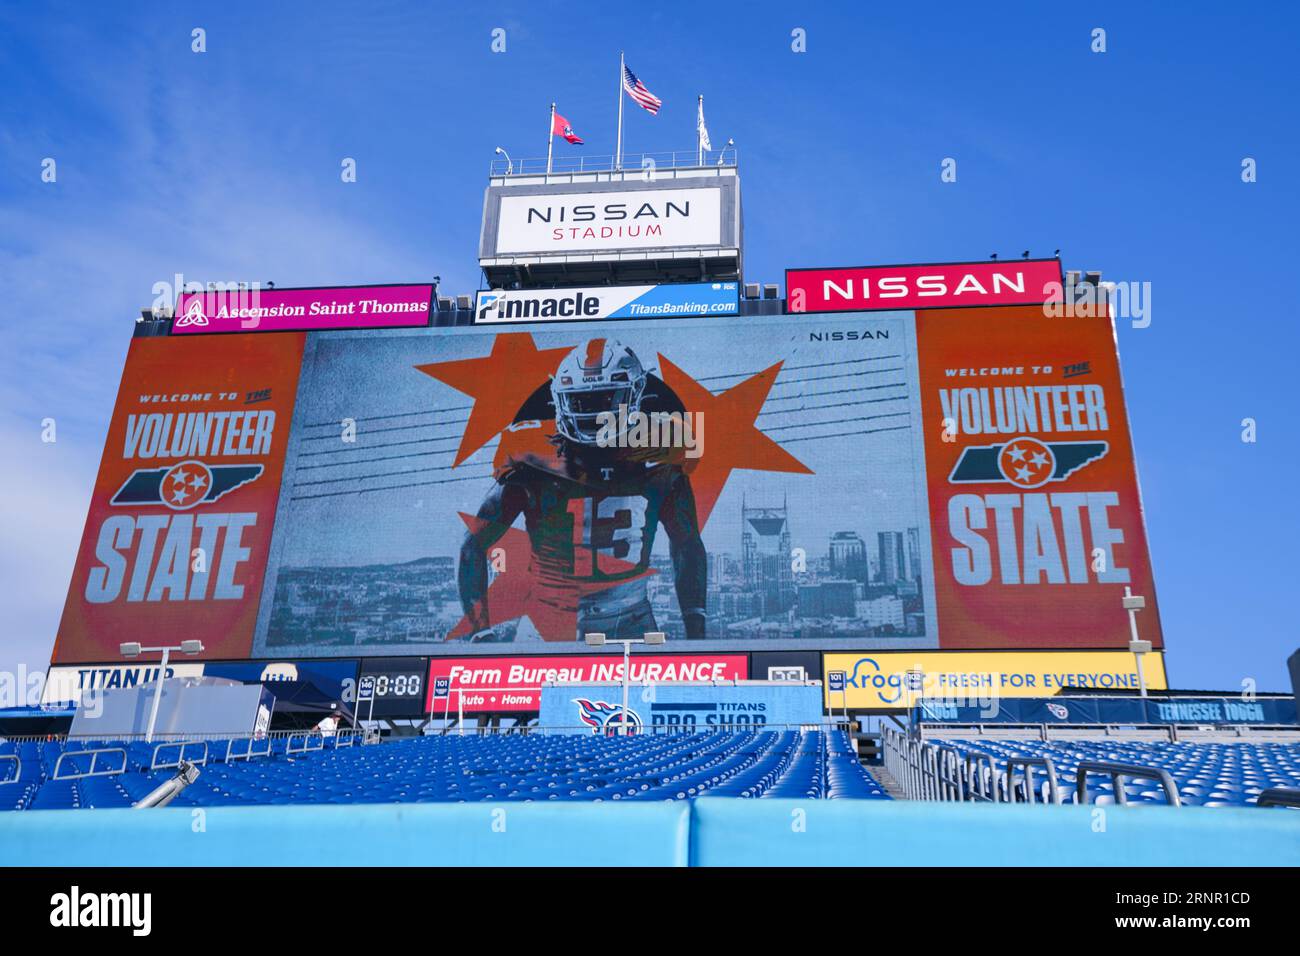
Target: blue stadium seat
{"points": [[752, 763]]}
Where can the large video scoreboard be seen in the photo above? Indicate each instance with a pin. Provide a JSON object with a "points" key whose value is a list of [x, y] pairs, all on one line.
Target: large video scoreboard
{"points": [[869, 482]]}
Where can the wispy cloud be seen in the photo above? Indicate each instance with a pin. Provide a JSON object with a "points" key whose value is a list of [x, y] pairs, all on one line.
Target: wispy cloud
{"points": [[146, 189]]}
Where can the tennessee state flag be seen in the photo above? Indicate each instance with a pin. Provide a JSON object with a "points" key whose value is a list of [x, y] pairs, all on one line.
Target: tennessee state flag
{"points": [[560, 127]]}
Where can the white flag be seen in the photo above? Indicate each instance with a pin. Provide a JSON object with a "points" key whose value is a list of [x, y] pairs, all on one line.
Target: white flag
{"points": [[702, 129]]}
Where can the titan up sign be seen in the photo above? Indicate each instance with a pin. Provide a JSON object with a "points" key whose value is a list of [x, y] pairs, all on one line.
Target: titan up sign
{"points": [[301, 310], [943, 285]]}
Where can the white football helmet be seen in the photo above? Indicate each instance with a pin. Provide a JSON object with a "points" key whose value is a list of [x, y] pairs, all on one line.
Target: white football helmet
{"points": [[593, 379]]}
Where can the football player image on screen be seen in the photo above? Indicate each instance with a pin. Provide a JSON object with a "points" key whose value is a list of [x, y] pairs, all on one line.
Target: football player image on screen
{"points": [[592, 506]]}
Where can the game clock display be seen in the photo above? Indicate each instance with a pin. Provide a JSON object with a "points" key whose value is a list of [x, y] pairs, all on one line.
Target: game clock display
{"points": [[399, 688]]}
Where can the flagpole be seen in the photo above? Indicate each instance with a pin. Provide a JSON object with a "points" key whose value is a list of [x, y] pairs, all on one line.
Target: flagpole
{"points": [[550, 140], [618, 152], [699, 131]]}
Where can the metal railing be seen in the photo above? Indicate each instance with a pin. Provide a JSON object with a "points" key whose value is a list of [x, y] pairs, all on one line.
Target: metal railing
{"points": [[951, 783], [311, 742], [1279, 797], [983, 783], [233, 753], [632, 162], [157, 762], [1022, 790], [928, 770], [18, 768], [940, 772], [1118, 773], [94, 760]]}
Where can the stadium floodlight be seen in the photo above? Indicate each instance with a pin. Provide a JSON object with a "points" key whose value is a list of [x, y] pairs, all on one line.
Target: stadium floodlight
{"points": [[510, 167], [1133, 603], [597, 639], [134, 649]]}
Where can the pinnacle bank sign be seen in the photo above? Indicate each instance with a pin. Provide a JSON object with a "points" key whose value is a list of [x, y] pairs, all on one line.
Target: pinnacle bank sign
{"points": [[601, 221], [607, 302], [944, 285], [297, 310]]}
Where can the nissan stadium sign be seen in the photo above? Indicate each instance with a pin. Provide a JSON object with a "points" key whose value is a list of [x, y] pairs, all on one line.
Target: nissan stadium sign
{"points": [[630, 215], [942, 285], [610, 302]]}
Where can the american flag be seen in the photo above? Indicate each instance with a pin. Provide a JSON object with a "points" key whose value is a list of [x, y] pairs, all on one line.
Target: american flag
{"points": [[636, 89]]}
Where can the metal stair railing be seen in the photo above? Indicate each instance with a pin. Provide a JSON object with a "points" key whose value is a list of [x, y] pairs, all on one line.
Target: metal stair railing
{"points": [[929, 765], [1119, 772], [951, 780], [1031, 795], [937, 771], [983, 782], [1279, 797], [924, 770], [913, 769], [18, 768], [887, 752]]}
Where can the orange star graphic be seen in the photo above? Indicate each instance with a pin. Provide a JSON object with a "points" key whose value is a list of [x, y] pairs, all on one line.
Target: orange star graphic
{"points": [[731, 439], [499, 383]]}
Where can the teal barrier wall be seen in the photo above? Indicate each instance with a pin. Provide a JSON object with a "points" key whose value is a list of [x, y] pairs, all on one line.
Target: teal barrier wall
{"points": [[428, 834], [727, 832], [716, 831]]}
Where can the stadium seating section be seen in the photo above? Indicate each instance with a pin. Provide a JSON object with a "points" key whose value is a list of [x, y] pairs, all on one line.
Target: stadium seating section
{"points": [[1206, 774], [451, 769]]}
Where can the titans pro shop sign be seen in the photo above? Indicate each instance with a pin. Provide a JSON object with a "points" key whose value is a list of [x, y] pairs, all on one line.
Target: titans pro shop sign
{"points": [[180, 522]]}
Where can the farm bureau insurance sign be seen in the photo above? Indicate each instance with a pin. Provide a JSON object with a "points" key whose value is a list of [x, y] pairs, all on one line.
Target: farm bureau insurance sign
{"points": [[287, 310]]}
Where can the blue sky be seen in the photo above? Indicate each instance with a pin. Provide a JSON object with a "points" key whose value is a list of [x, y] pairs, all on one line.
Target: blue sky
{"points": [[225, 165]]}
